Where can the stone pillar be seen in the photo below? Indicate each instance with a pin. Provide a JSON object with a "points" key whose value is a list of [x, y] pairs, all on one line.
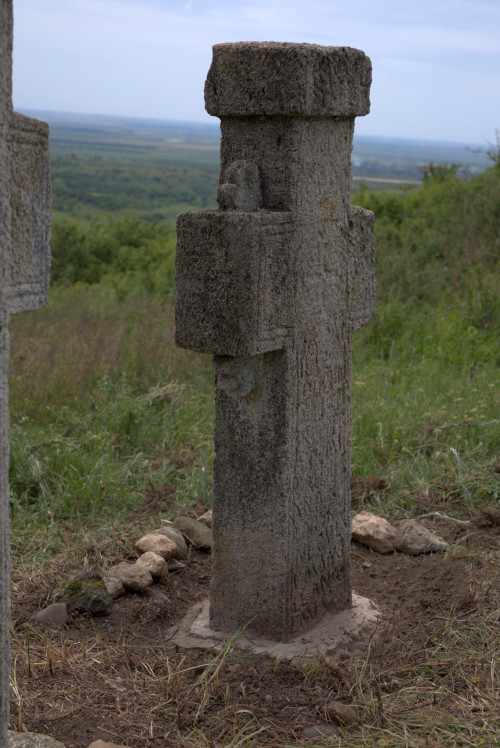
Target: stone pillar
{"points": [[274, 283], [24, 275]]}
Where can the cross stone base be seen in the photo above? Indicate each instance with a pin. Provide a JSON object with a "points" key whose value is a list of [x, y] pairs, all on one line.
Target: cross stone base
{"points": [[349, 632]]}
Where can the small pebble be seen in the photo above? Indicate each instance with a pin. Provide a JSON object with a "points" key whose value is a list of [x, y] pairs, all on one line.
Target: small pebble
{"points": [[341, 712], [320, 729], [206, 519], [174, 565], [114, 587], [55, 613]]}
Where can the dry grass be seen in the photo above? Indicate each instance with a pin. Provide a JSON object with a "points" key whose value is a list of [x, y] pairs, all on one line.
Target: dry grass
{"points": [[85, 335], [441, 688]]}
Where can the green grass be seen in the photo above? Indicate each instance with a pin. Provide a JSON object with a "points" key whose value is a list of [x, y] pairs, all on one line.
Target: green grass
{"points": [[417, 419], [103, 405], [101, 399], [425, 383]]}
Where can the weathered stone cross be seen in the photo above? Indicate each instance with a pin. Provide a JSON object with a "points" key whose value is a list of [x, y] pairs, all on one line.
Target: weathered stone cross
{"points": [[274, 283], [24, 275]]}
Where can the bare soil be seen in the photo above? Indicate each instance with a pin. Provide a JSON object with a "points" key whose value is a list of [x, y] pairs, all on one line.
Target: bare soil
{"points": [[120, 678]]}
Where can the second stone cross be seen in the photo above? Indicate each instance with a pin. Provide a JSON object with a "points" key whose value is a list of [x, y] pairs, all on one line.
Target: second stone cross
{"points": [[274, 283]]}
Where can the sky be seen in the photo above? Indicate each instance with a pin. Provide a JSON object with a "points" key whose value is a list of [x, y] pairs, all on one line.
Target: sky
{"points": [[436, 63]]}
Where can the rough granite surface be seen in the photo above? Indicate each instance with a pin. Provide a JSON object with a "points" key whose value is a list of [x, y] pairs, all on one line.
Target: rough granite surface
{"points": [[24, 276], [274, 283]]}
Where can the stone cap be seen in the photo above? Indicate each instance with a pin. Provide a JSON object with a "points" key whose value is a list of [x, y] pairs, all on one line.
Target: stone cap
{"points": [[285, 79]]}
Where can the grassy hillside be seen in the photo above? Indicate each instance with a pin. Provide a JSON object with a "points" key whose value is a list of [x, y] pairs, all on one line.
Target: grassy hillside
{"points": [[425, 394], [103, 403], [112, 432]]}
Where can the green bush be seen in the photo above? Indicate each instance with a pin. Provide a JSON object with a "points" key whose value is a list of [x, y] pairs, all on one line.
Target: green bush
{"points": [[440, 241], [127, 250]]}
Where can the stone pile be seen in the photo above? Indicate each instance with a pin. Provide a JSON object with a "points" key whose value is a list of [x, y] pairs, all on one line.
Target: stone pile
{"points": [[163, 551], [407, 535], [160, 551]]}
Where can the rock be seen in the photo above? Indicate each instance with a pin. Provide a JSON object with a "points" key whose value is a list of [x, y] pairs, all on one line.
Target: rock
{"points": [[134, 577], [114, 587], [414, 539], [175, 535], [155, 564], [174, 565], [341, 712], [105, 744], [195, 532], [32, 740], [86, 593], [57, 613], [206, 519], [375, 532], [156, 543], [321, 729]]}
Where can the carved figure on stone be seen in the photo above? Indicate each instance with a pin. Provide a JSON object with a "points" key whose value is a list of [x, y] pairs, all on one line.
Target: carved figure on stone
{"points": [[241, 188]]}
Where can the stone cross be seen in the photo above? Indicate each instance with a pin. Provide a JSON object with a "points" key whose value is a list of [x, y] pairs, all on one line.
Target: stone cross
{"points": [[24, 275], [274, 283]]}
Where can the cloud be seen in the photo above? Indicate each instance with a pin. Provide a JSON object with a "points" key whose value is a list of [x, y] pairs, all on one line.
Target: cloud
{"points": [[151, 56]]}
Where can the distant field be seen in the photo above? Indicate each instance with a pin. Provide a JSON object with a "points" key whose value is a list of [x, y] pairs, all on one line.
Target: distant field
{"points": [[385, 159], [160, 168]]}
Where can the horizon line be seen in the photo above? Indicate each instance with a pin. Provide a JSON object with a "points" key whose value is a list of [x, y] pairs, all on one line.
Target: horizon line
{"points": [[216, 123]]}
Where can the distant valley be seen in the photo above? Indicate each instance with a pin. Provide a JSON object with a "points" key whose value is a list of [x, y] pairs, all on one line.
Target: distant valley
{"points": [[159, 168]]}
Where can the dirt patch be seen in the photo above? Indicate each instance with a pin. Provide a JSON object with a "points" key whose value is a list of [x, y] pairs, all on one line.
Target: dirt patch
{"points": [[120, 678], [365, 488], [153, 498]]}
